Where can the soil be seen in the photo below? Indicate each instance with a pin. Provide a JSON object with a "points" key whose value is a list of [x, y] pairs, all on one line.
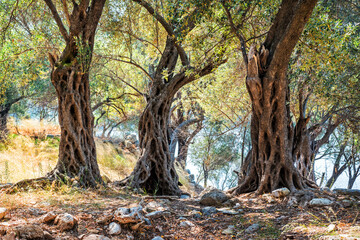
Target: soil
{"points": [[276, 219]]}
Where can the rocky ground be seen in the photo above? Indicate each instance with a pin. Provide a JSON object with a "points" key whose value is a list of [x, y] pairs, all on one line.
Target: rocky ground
{"points": [[118, 214]]}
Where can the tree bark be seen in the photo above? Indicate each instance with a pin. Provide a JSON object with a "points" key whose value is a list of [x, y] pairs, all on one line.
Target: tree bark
{"points": [[70, 77], [4, 111], [272, 160], [155, 170]]}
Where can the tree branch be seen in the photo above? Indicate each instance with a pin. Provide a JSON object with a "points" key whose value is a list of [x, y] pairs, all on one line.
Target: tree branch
{"points": [[57, 18]]}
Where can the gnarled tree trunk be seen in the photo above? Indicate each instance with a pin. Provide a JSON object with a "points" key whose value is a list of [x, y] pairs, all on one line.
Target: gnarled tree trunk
{"points": [[155, 170], [272, 162], [70, 77]]}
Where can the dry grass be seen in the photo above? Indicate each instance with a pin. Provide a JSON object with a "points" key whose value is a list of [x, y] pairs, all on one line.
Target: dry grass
{"points": [[23, 157], [33, 128]]}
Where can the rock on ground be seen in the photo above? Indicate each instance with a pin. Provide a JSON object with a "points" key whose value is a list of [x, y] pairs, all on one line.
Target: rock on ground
{"points": [[157, 238], [252, 228], [114, 228], [229, 230], [214, 197], [29, 232], [320, 202], [281, 192], [95, 237], [187, 224], [50, 216], [65, 222], [207, 211], [3, 212]]}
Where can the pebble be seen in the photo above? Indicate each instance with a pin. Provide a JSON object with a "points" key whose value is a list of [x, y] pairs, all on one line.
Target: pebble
{"points": [[331, 227], [157, 214], [157, 238], [320, 202], [281, 192], [3, 212], [96, 237], [50, 216], [114, 228], [228, 211], [229, 230], [184, 196], [207, 211], [29, 232], [187, 224], [252, 228], [65, 222]]}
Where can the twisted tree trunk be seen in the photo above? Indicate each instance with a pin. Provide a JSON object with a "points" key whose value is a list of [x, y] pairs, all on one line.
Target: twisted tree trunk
{"points": [[272, 136], [70, 77], [155, 170]]}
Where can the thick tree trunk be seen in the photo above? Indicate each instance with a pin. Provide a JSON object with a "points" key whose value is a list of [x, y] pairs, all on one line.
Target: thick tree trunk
{"points": [[70, 77], [77, 152], [155, 170], [272, 161]]}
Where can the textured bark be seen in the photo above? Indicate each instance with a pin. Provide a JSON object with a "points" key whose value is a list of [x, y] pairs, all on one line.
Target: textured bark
{"points": [[272, 136], [155, 171], [4, 111], [70, 77]]}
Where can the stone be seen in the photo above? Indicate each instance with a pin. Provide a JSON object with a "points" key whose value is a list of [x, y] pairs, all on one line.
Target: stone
{"points": [[122, 211], [65, 222], [331, 227], [252, 228], [157, 238], [105, 219], [126, 215], [36, 211], [157, 214], [50, 216], [95, 237], [214, 197], [207, 211], [229, 230], [154, 206], [349, 192], [3, 212], [228, 211], [29, 232], [346, 203], [114, 228], [187, 224], [319, 202], [184, 196], [281, 192]]}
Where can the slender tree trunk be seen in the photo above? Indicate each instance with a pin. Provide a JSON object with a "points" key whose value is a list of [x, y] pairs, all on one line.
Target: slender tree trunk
{"points": [[337, 170], [4, 111]]}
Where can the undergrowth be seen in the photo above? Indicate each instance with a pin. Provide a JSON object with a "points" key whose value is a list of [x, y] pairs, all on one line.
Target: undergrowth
{"points": [[23, 157]]}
